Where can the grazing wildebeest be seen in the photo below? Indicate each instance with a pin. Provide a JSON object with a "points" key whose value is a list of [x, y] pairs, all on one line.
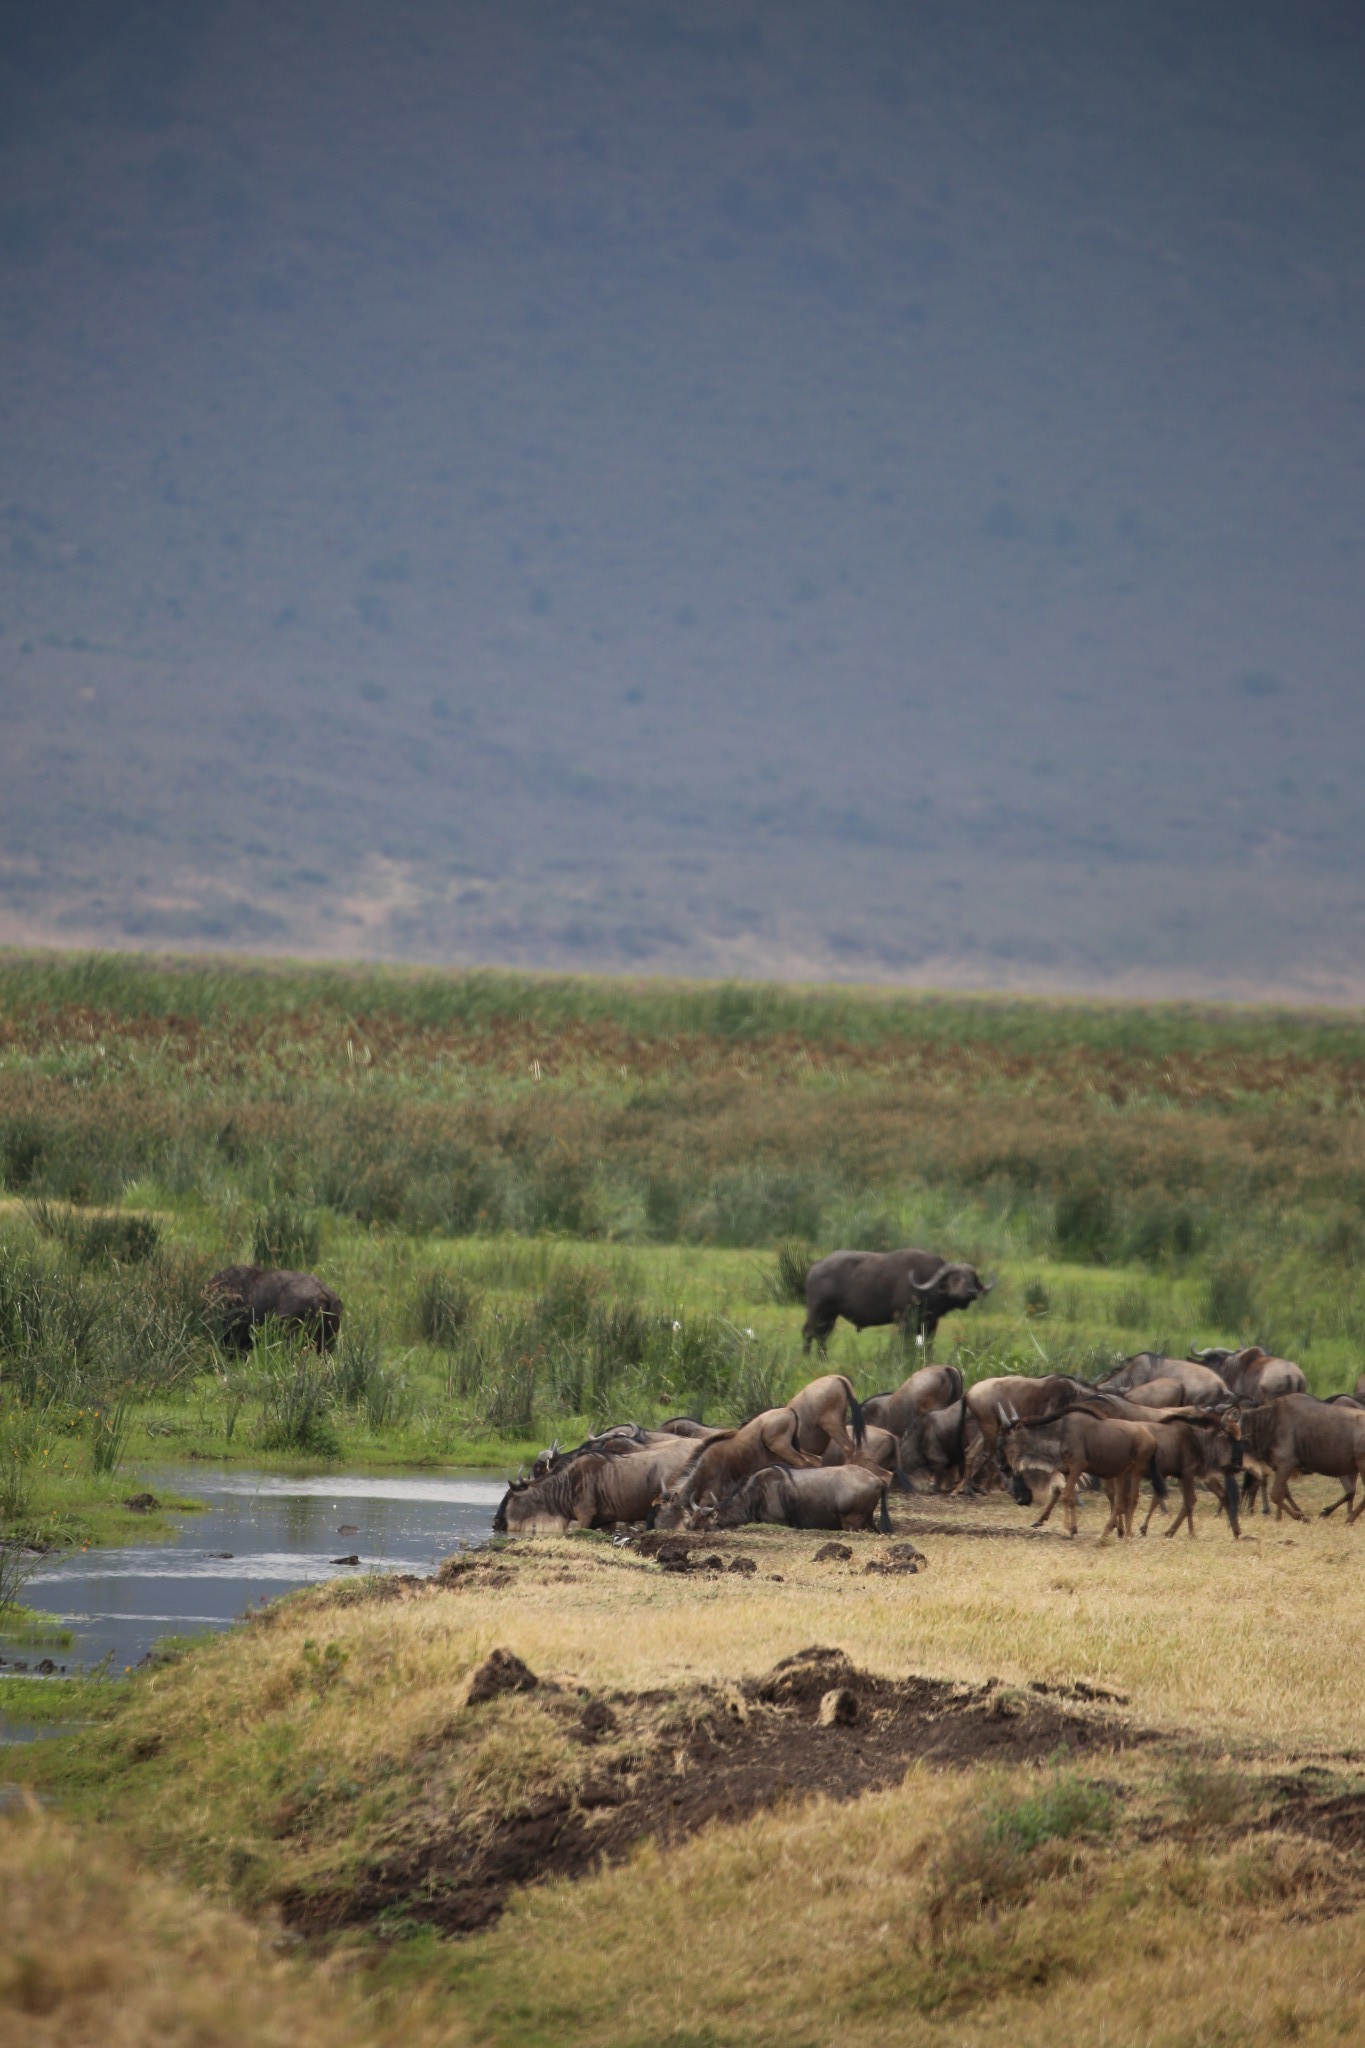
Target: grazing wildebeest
{"points": [[1297, 1434], [1200, 1386], [819, 1409], [880, 1451], [1198, 1445], [1252, 1374], [591, 1492], [717, 1466], [241, 1297], [869, 1289], [1071, 1442], [940, 1443], [933, 1386], [839, 1497]]}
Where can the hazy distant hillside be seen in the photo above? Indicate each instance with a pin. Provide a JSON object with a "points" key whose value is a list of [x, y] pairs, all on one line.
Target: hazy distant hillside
{"points": [[860, 489]]}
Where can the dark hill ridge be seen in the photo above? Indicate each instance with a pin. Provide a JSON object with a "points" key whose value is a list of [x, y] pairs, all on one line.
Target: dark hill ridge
{"points": [[859, 491]]}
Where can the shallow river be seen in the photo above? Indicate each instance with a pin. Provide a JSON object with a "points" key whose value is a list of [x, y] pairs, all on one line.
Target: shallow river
{"points": [[259, 1534]]}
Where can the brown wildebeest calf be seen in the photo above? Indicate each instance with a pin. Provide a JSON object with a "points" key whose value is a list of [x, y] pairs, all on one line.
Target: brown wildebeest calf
{"points": [[719, 1466], [839, 1497], [1298, 1434], [819, 1410], [933, 1386], [1198, 1445], [1073, 1442]]}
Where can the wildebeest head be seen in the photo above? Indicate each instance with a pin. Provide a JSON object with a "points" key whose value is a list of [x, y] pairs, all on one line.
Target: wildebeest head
{"points": [[517, 1485]]}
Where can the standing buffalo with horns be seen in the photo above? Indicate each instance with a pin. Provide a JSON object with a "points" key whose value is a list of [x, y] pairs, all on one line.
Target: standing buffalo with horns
{"points": [[869, 1289]]}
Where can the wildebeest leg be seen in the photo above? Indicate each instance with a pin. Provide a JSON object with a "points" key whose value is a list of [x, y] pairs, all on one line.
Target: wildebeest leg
{"points": [[1187, 1505], [1054, 1494], [1347, 1500], [1283, 1498], [1353, 1511], [1069, 1501]]}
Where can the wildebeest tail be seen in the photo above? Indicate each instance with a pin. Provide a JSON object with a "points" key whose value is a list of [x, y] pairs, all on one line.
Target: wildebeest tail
{"points": [[954, 1373], [855, 1409], [960, 1447], [1158, 1483]]}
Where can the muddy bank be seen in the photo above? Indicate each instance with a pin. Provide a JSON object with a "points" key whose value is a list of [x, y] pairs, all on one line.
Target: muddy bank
{"points": [[727, 1754]]}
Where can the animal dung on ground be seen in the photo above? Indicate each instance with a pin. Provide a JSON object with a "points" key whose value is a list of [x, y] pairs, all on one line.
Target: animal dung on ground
{"points": [[502, 1671], [742, 1564], [838, 1708], [833, 1553], [596, 1720], [901, 1557]]}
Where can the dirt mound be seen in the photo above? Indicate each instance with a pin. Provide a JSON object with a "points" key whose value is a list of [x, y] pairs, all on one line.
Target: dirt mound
{"points": [[738, 1755]]}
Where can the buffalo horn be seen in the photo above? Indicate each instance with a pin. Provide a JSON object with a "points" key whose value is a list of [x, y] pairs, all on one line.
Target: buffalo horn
{"points": [[923, 1286]]}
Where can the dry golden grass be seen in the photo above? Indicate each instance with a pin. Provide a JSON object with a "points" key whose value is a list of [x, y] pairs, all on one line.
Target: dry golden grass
{"points": [[98, 1953], [814, 1926]]}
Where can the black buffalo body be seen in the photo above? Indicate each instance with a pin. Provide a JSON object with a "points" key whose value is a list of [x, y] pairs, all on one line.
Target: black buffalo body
{"points": [[871, 1288], [243, 1296]]}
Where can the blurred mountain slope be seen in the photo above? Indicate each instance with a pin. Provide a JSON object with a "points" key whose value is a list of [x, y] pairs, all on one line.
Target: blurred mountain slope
{"points": [[860, 490]]}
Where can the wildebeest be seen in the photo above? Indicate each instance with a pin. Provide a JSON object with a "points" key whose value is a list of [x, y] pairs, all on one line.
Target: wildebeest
{"points": [[820, 1408], [241, 1297], [942, 1443], [617, 1442], [1199, 1385], [1193, 1446], [1297, 1434], [991, 1402], [880, 1452], [870, 1289], [590, 1492], [1252, 1374], [1071, 1442], [837, 1497], [933, 1386], [718, 1466]]}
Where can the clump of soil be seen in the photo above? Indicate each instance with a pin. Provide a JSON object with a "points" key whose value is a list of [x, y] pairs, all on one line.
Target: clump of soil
{"points": [[833, 1553], [901, 1557], [735, 1756], [473, 1568], [502, 1671]]}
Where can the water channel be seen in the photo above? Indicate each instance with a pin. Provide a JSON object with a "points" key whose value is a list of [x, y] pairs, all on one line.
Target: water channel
{"points": [[257, 1535]]}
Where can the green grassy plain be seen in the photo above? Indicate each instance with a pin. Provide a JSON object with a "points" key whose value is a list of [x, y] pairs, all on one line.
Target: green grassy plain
{"points": [[549, 1203]]}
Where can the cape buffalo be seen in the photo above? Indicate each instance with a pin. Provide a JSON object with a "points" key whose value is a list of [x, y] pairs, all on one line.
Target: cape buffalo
{"points": [[869, 1289], [243, 1296], [840, 1497], [933, 1386], [1252, 1374]]}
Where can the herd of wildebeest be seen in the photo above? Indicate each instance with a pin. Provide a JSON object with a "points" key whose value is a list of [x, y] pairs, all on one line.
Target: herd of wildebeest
{"points": [[1239, 1422]]}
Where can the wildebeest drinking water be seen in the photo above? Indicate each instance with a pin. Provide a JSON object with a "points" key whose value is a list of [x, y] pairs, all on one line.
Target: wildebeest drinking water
{"points": [[871, 1289]]}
